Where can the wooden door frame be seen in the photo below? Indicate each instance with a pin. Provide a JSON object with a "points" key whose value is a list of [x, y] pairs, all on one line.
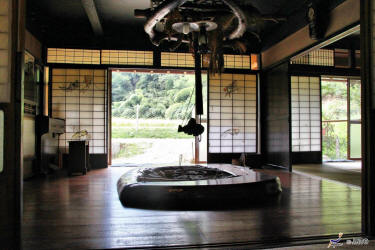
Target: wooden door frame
{"points": [[368, 118], [348, 120], [11, 179], [142, 70]]}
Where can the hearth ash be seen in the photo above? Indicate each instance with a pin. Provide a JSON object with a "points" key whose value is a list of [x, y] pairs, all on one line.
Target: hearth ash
{"points": [[182, 173]]}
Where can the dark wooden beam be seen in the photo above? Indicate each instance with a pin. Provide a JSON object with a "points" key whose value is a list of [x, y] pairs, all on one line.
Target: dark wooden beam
{"points": [[343, 16], [92, 14], [368, 118], [299, 69], [11, 189]]}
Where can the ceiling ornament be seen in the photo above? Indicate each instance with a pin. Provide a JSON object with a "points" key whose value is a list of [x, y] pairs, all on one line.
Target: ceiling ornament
{"points": [[215, 24]]}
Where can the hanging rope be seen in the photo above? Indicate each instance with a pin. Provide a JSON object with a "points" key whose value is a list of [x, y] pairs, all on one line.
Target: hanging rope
{"points": [[200, 122], [185, 117]]}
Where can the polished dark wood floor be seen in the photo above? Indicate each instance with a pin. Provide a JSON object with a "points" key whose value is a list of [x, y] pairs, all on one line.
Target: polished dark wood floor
{"points": [[85, 212]]}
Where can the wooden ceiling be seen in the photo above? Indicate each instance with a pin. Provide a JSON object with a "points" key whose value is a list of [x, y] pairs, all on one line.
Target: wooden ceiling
{"points": [[66, 24]]}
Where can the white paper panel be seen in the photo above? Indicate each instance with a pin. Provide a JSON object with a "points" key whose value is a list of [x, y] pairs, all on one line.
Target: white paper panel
{"points": [[213, 136], [214, 149], [215, 129], [315, 135], [305, 116], [232, 113], [83, 105], [5, 48], [315, 148], [226, 143]]}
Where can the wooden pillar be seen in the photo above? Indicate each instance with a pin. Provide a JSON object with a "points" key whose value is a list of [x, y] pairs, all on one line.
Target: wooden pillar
{"points": [[276, 137], [198, 80], [11, 176], [368, 116]]}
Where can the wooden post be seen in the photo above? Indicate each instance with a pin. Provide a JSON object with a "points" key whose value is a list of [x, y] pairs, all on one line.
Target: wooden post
{"points": [[198, 80], [11, 177], [137, 117], [368, 117]]}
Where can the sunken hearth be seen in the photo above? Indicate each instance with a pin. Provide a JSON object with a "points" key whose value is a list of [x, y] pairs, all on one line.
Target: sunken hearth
{"points": [[186, 187]]}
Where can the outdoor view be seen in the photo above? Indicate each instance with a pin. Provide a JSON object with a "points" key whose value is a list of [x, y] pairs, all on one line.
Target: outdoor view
{"points": [[336, 118], [146, 111]]}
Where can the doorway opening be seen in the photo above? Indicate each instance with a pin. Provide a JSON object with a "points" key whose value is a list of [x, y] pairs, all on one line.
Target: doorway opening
{"points": [[341, 121], [147, 108]]}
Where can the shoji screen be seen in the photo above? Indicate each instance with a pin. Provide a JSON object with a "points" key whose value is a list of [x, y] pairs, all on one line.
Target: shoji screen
{"points": [[5, 49], [320, 57], [127, 57], [306, 123], [172, 59], [232, 113], [75, 56], [237, 61], [80, 97]]}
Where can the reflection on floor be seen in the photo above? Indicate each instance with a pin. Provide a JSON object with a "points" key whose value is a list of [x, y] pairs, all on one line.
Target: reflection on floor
{"points": [[355, 166], [346, 172], [85, 212]]}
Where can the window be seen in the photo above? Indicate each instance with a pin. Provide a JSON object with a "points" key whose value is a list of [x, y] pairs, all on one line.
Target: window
{"points": [[254, 62], [127, 57], [80, 97], [320, 57], [357, 59], [236, 61], [342, 58], [341, 118], [73, 56], [5, 45], [305, 93], [172, 59], [232, 113]]}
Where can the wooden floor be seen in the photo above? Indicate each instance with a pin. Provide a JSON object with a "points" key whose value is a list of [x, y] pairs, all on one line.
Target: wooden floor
{"points": [[85, 212]]}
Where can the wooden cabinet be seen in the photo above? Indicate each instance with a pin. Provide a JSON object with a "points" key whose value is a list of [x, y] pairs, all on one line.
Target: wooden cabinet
{"points": [[78, 160]]}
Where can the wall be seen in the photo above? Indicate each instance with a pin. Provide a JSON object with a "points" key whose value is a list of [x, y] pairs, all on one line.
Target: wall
{"points": [[232, 114], [33, 45], [305, 119], [12, 15], [28, 146], [34, 48], [275, 89], [80, 97]]}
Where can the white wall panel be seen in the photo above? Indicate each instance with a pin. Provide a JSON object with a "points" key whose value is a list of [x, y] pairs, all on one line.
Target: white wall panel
{"points": [[232, 113], [82, 104], [306, 113]]}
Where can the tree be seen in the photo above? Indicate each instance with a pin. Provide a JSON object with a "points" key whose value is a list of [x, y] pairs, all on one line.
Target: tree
{"points": [[156, 94], [183, 95]]}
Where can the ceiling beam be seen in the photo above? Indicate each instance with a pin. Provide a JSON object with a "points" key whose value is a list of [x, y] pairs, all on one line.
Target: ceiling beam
{"points": [[343, 16], [92, 14], [329, 41]]}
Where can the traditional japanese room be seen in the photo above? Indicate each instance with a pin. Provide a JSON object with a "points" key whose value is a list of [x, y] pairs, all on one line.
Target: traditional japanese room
{"points": [[186, 124]]}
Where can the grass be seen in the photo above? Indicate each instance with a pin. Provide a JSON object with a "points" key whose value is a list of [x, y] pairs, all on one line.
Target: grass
{"points": [[132, 149], [156, 133], [142, 123], [148, 128]]}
